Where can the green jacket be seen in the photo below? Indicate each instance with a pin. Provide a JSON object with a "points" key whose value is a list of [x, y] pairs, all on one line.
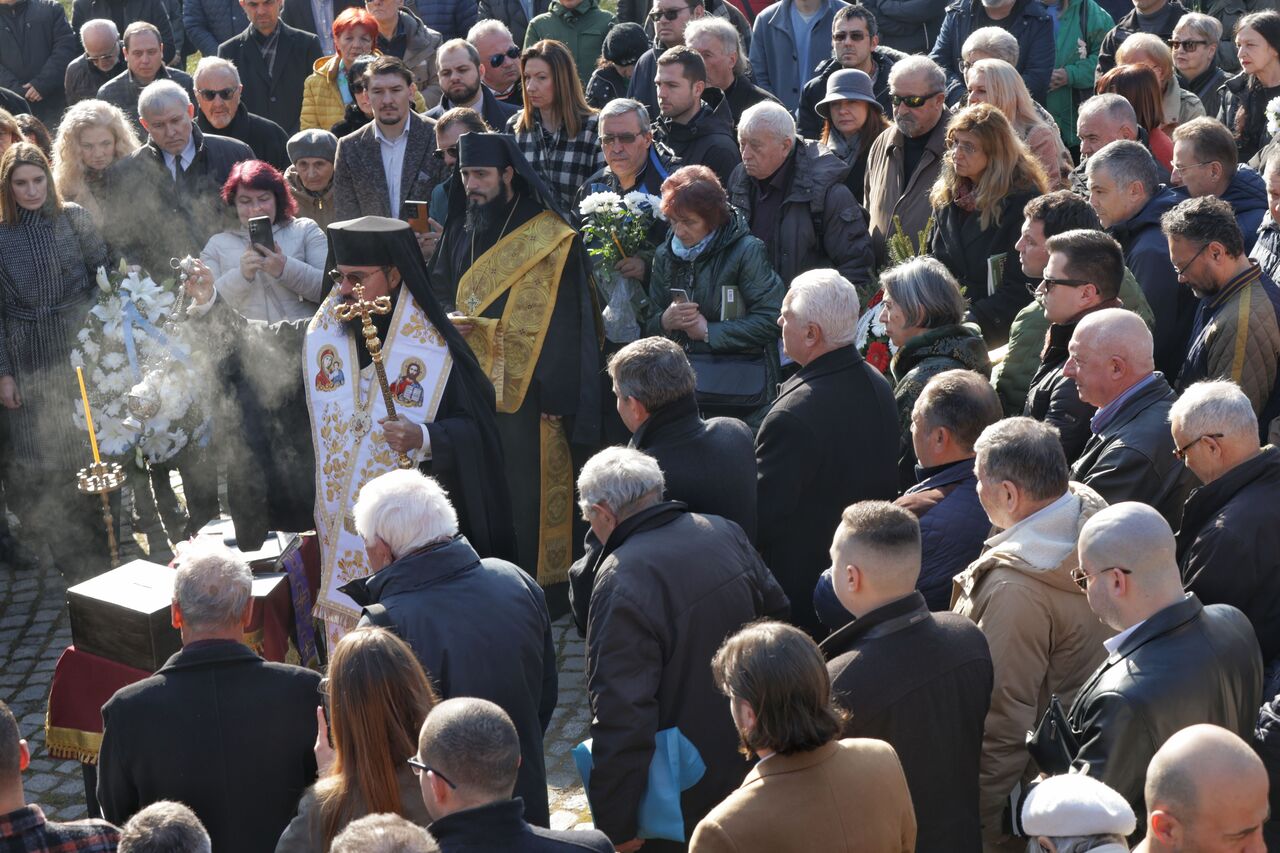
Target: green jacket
{"points": [[1012, 376], [582, 30], [1061, 102]]}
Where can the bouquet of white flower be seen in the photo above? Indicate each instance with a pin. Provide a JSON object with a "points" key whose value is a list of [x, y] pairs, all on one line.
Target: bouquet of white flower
{"points": [[614, 228], [126, 346], [1273, 116]]}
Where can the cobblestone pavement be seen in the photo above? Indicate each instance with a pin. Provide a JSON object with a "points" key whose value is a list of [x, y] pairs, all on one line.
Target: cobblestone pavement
{"points": [[35, 628]]}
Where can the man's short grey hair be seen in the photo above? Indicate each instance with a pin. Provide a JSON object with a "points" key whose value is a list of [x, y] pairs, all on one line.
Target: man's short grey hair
{"points": [[1078, 843], [212, 586], [1127, 161], [1208, 28], [767, 117], [992, 42], [620, 478], [916, 65], [162, 95], [164, 827], [653, 371], [1025, 452], [405, 509], [474, 744], [622, 106], [104, 25], [487, 27], [727, 33], [1115, 107], [1214, 406], [461, 44], [926, 291], [383, 833], [826, 299], [215, 63]]}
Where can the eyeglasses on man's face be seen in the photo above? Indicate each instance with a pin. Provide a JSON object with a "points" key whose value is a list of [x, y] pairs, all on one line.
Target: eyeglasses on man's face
{"points": [[419, 768], [853, 35], [1181, 271], [623, 138], [915, 102], [210, 94], [1081, 577], [357, 279], [1050, 283], [497, 59], [452, 151], [667, 14], [1181, 452]]}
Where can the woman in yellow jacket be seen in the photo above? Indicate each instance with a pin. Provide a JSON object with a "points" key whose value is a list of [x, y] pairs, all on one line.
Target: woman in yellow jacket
{"points": [[327, 92]]}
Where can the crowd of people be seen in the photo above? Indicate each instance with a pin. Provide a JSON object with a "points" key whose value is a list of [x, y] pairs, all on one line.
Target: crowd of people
{"points": [[915, 368]]}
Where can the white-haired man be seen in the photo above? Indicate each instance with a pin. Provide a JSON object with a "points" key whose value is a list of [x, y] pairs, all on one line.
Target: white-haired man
{"points": [[1168, 645], [196, 731], [795, 200], [479, 626], [164, 200], [1129, 453], [1229, 543], [718, 42], [100, 61], [1101, 120], [218, 90], [830, 438], [165, 827], [653, 627], [499, 58]]}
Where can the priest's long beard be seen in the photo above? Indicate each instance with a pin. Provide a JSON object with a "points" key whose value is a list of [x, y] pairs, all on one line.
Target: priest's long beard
{"points": [[485, 216]]}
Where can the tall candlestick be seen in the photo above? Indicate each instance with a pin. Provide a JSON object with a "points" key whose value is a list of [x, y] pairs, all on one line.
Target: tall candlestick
{"points": [[88, 417]]}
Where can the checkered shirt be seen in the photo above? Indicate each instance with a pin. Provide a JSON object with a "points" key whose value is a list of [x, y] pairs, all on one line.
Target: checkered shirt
{"points": [[564, 162], [26, 831]]}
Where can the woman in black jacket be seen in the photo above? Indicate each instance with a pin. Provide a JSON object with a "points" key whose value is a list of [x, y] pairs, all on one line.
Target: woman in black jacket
{"points": [[987, 177], [1245, 97]]}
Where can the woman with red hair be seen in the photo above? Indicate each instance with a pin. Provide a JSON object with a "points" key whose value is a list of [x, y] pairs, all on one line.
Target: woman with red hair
{"points": [[283, 281], [327, 91]]}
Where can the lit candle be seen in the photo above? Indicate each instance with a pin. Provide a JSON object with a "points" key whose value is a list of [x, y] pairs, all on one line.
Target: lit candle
{"points": [[88, 417]]}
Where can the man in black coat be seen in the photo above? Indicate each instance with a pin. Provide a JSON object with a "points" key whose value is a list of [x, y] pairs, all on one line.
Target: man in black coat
{"points": [[829, 440], [158, 211], [124, 13], [143, 66], [709, 465], [218, 91], [273, 83], [468, 754], [654, 625], [719, 44], [695, 130], [36, 46], [1129, 454], [1175, 662], [1229, 542], [217, 727], [458, 65], [920, 681], [479, 626], [855, 43]]}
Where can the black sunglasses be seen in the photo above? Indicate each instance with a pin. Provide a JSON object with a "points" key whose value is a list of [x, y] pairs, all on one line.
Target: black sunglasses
{"points": [[452, 151], [210, 94], [851, 36], [913, 101], [496, 59], [419, 768], [357, 279], [358, 87], [1188, 44], [668, 14]]}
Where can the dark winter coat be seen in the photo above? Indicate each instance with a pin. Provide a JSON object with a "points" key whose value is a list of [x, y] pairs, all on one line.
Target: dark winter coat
{"points": [[829, 440], [909, 26], [512, 13], [606, 84], [499, 828], [1146, 254], [83, 80], [264, 136], [920, 359], [1207, 87], [1033, 30], [36, 46], [150, 218], [817, 197], [219, 690], [123, 90], [450, 18], [742, 95], [1266, 251], [480, 628], [708, 140], [1247, 195], [654, 626], [1266, 742], [494, 112], [1128, 25], [151, 11], [1237, 94], [353, 118], [809, 123], [208, 23], [1229, 545], [1131, 457], [922, 682], [17, 105], [1186, 664], [960, 242], [276, 96]]}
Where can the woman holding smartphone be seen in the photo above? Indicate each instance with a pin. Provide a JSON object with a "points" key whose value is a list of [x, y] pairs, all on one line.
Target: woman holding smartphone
{"points": [[272, 267]]}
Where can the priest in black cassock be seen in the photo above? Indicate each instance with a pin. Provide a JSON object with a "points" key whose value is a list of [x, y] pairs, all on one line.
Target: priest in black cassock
{"points": [[512, 266], [287, 472]]}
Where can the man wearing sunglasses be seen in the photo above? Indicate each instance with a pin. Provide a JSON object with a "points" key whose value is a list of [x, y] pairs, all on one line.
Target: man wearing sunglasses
{"points": [[500, 60], [1176, 662], [99, 62], [855, 43], [218, 88]]}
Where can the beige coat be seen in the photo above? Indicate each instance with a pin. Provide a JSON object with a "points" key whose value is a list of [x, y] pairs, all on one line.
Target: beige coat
{"points": [[889, 193], [848, 795], [1044, 638]]}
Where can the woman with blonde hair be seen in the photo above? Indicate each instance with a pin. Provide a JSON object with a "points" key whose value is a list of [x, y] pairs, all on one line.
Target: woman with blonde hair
{"points": [[988, 176], [375, 700], [996, 82], [556, 130], [93, 135]]}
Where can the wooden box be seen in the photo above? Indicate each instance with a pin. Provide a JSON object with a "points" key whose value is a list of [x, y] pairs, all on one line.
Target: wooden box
{"points": [[123, 615], [267, 558]]}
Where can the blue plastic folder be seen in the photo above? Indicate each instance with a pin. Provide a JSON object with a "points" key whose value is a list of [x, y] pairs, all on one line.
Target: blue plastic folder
{"points": [[676, 767]]}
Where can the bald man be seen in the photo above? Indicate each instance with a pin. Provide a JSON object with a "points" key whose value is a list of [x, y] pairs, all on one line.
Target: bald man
{"points": [[1129, 454], [1174, 663], [1206, 792]]}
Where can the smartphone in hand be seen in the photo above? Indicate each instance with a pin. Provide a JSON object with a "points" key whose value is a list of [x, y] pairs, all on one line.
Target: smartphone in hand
{"points": [[679, 295], [416, 213], [260, 233]]}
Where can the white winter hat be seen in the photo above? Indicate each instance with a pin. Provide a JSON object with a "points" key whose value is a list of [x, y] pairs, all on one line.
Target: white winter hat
{"points": [[1074, 804]]}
